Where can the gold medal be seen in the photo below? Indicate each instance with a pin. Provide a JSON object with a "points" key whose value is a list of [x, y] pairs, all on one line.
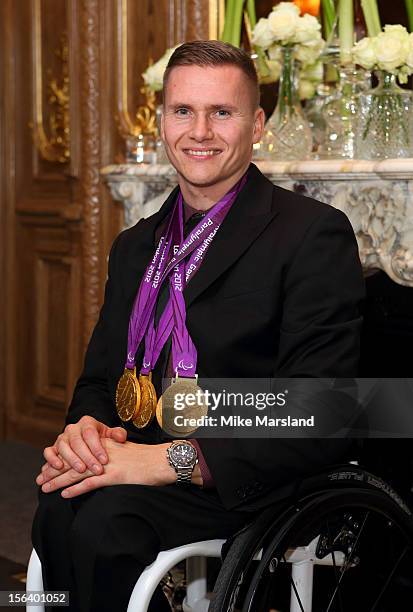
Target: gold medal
{"points": [[128, 395], [148, 402], [181, 404]]}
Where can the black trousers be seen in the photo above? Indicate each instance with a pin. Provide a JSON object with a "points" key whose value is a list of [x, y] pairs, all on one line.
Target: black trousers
{"points": [[97, 545]]}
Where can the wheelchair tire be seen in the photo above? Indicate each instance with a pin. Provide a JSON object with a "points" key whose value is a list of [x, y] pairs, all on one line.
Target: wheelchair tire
{"points": [[245, 584]]}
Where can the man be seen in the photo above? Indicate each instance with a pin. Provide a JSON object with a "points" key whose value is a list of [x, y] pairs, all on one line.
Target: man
{"points": [[276, 295]]}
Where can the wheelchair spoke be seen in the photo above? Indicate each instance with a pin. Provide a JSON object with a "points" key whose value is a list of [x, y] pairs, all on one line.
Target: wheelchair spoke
{"points": [[389, 579], [347, 562], [335, 568]]}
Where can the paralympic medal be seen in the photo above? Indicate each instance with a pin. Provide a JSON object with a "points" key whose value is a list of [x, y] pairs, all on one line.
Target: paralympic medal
{"points": [[147, 406], [128, 395], [182, 401]]}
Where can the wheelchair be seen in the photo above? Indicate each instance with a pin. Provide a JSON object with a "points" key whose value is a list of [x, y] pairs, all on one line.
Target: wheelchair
{"points": [[341, 542]]}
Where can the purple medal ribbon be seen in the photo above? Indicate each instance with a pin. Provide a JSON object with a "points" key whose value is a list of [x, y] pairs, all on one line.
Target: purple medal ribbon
{"points": [[147, 295], [185, 262]]}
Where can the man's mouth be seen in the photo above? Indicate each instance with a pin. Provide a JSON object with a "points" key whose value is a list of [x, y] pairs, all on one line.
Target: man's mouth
{"points": [[203, 153]]}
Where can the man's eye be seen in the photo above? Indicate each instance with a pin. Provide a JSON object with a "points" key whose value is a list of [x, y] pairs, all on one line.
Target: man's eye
{"points": [[222, 112], [182, 112]]}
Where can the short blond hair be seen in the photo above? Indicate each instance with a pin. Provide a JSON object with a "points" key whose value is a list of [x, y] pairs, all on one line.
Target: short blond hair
{"points": [[214, 53]]}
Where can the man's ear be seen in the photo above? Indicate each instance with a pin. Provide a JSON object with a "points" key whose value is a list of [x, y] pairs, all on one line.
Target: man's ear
{"points": [[259, 122]]}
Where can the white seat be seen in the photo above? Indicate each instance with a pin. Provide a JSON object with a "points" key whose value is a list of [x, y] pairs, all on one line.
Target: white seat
{"points": [[34, 581], [302, 559], [196, 599]]}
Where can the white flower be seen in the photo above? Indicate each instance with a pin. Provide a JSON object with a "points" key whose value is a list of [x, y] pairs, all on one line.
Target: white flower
{"points": [[153, 75], [364, 53], [392, 49], [310, 52], [403, 74], [284, 26], [313, 72], [310, 76], [409, 58], [274, 71], [286, 7], [306, 89], [308, 28], [262, 35], [283, 23], [274, 53], [396, 30]]}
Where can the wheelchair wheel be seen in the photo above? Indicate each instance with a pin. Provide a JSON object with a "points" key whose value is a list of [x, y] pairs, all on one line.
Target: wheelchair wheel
{"points": [[362, 542]]}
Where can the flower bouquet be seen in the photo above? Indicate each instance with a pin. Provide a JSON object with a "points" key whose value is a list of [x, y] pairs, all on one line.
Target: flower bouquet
{"points": [[153, 75], [386, 111], [288, 40]]}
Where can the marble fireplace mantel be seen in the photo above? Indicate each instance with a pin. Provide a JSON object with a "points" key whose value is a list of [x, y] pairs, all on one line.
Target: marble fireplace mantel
{"points": [[377, 196]]}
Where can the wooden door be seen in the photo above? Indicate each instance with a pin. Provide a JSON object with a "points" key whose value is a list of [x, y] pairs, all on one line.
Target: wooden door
{"points": [[61, 76]]}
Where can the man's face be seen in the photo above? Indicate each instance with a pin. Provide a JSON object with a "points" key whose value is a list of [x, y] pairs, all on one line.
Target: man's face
{"points": [[209, 125]]}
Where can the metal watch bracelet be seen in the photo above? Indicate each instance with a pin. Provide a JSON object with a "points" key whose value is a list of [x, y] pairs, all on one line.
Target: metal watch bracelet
{"points": [[184, 476]]}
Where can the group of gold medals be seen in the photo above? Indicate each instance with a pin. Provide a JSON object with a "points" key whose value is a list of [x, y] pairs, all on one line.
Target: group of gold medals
{"points": [[136, 399]]}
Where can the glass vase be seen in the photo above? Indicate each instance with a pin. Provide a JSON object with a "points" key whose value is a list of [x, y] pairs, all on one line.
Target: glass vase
{"points": [[287, 134], [141, 149], [315, 114], [385, 121], [341, 114]]}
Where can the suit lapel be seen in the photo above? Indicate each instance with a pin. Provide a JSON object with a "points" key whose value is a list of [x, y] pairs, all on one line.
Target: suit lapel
{"points": [[249, 216], [144, 244]]}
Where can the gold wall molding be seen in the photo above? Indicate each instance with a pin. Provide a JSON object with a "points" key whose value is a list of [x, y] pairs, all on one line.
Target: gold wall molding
{"points": [[90, 158], [54, 146], [144, 120], [216, 18], [145, 116]]}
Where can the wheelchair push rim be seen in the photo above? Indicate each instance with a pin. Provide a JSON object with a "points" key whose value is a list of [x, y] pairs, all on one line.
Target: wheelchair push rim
{"points": [[362, 545]]}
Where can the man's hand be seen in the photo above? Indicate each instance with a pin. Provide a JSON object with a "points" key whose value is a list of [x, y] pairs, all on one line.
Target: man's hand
{"points": [[80, 446], [129, 463]]}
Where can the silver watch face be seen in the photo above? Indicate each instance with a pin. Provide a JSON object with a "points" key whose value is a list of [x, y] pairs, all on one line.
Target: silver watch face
{"points": [[183, 454]]}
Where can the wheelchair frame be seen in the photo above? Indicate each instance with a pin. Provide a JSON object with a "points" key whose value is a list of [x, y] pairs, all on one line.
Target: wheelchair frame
{"points": [[245, 546]]}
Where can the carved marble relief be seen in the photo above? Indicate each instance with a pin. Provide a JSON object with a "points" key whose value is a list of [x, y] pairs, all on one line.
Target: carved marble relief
{"points": [[376, 197]]}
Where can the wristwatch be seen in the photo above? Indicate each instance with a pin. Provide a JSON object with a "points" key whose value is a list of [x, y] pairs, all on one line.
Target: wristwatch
{"points": [[183, 457]]}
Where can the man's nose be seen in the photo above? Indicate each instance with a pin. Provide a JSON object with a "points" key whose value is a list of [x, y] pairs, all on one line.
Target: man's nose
{"points": [[201, 128]]}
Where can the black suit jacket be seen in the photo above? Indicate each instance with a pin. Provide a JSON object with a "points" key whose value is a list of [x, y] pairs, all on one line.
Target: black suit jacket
{"points": [[277, 295]]}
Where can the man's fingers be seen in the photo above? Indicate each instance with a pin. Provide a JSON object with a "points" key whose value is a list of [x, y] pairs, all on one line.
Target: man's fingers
{"points": [[63, 480], [92, 438], [78, 447], [71, 456], [51, 455], [49, 472], [46, 465], [88, 484], [117, 433]]}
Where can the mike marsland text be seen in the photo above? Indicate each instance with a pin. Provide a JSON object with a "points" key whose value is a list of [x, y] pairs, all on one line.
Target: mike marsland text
{"points": [[237, 421]]}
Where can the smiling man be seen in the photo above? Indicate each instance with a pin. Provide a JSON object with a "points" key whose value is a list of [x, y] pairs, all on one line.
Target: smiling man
{"points": [[208, 137], [232, 278]]}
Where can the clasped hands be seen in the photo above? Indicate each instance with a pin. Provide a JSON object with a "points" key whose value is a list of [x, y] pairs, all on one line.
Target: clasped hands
{"points": [[89, 455]]}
